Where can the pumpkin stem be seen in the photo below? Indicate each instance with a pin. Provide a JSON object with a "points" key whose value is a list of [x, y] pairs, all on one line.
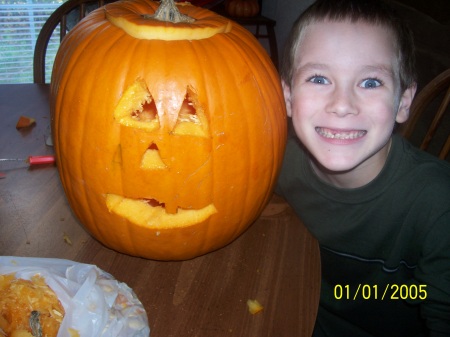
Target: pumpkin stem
{"points": [[168, 12]]}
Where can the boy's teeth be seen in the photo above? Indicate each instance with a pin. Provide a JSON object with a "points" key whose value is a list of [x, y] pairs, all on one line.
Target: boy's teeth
{"points": [[333, 134]]}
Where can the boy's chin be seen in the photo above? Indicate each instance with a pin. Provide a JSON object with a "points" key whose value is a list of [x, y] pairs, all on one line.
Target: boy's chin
{"points": [[335, 160], [348, 171], [335, 165]]}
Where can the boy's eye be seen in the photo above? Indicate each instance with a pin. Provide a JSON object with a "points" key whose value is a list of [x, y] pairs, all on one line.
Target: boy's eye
{"points": [[371, 83], [318, 79]]}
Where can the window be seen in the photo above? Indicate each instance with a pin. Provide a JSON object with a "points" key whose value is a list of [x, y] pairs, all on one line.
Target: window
{"points": [[20, 24]]}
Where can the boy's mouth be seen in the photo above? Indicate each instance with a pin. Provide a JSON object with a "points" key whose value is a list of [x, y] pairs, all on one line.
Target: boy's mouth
{"points": [[340, 134]]}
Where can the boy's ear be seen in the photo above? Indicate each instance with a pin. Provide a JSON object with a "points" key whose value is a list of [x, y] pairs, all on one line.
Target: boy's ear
{"points": [[287, 97], [405, 104]]}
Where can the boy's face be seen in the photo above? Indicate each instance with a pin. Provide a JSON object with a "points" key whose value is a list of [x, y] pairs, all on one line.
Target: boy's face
{"points": [[344, 97]]}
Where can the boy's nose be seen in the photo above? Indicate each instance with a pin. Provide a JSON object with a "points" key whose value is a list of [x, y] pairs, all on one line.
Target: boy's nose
{"points": [[342, 102]]}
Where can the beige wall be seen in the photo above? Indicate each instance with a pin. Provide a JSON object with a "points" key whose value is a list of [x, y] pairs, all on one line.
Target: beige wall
{"points": [[285, 12]]}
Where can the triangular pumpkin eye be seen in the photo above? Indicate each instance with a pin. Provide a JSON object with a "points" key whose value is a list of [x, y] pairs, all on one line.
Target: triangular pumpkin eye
{"points": [[136, 108], [191, 118], [151, 160], [147, 113]]}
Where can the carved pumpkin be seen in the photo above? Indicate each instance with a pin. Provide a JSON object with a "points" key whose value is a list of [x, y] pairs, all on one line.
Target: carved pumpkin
{"points": [[168, 136], [242, 8]]}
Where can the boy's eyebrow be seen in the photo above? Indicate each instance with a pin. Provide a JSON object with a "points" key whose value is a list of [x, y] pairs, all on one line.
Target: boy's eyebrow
{"points": [[386, 69], [311, 66]]}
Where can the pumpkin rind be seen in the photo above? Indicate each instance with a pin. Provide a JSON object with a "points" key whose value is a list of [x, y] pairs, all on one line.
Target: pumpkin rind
{"points": [[231, 164], [131, 19]]}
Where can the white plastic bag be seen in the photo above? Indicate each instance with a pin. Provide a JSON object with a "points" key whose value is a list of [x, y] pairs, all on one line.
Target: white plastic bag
{"points": [[95, 303]]}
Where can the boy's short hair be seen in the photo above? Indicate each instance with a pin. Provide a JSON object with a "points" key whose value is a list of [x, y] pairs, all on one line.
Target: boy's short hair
{"points": [[374, 12]]}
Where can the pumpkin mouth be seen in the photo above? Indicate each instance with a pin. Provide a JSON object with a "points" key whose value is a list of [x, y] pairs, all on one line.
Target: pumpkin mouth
{"points": [[151, 213]]}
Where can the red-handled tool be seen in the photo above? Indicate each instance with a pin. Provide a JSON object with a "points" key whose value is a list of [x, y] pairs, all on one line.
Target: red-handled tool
{"points": [[40, 160], [34, 160]]}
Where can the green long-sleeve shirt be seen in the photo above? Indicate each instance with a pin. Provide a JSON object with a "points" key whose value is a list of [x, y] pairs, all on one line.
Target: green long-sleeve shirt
{"points": [[390, 238]]}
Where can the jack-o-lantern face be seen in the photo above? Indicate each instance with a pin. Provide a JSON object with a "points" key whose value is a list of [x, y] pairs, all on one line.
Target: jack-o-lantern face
{"points": [[168, 137], [166, 146]]}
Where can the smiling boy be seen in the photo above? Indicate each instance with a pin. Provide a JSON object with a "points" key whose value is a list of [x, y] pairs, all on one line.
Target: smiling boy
{"points": [[379, 208]]}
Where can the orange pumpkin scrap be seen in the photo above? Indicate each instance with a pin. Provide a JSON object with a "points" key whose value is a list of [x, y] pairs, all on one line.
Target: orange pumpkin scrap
{"points": [[168, 136], [24, 122], [254, 306]]}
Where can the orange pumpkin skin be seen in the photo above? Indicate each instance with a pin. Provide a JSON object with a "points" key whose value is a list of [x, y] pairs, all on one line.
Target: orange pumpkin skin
{"points": [[242, 8], [233, 166]]}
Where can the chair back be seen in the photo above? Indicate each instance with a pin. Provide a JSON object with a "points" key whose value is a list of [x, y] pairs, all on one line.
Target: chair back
{"points": [[431, 107], [77, 9]]}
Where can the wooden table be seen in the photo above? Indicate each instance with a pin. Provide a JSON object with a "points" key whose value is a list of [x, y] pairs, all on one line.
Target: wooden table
{"points": [[276, 261]]}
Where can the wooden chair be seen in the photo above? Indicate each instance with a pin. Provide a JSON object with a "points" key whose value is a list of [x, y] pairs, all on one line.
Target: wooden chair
{"points": [[424, 103], [77, 8]]}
